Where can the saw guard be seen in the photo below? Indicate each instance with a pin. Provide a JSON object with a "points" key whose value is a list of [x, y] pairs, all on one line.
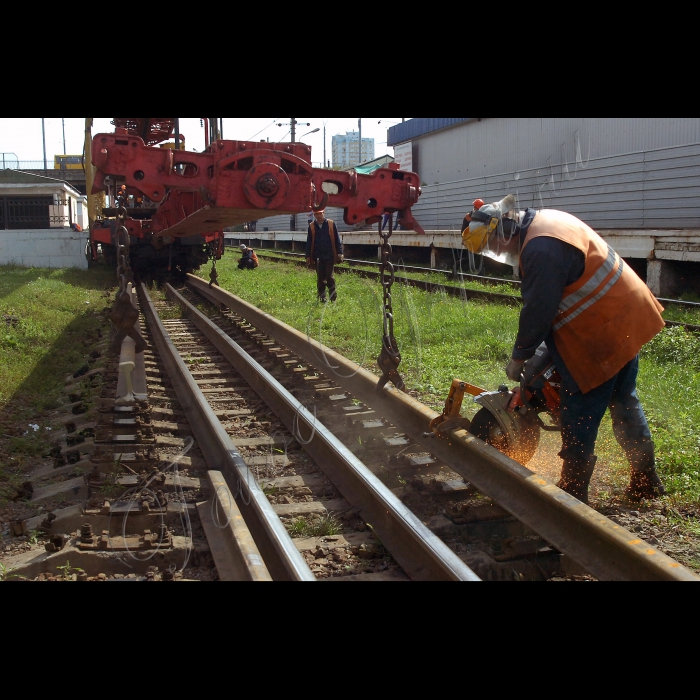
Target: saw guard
{"points": [[520, 430], [511, 422]]}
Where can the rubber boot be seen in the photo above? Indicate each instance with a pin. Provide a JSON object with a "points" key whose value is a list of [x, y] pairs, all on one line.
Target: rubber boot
{"points": [[644, 485], [575, 477], [644, 481]]}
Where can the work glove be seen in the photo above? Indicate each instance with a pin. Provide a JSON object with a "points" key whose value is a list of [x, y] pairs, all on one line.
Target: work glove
{"points": [[339, 259], [310, 263], [514, 369]]}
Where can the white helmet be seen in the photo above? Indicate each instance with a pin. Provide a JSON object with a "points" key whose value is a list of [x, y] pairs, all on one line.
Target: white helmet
{"points": [[244, 247]]}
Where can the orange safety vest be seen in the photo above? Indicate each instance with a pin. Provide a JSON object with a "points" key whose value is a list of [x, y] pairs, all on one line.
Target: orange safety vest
{"points": [[331, 233], [607, 315]]}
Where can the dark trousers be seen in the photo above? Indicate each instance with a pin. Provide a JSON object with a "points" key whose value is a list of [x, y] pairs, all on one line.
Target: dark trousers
{"points": [[324, 277], [246, 264], [581, 415]]}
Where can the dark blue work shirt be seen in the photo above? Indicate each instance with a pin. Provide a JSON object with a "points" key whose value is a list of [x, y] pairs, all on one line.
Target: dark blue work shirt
{"points": [[322, 244], [548, 266]]}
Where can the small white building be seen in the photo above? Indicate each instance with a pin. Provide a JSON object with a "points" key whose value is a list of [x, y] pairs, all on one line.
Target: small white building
{"points": [[43, 221]]}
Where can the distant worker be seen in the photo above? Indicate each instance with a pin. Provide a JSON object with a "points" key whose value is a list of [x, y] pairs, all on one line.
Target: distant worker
{"points": [[249, 260], [76, 227], [324, 249], [122, 197], [594, 315]]}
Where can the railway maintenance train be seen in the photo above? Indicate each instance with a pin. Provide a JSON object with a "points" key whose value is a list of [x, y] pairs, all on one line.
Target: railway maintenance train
{"points": [[170, 206]]}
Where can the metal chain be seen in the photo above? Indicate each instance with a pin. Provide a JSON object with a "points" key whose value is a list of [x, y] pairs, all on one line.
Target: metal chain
{"points": [[123, 265], [124, 316], [390, 357], [213, 275]]}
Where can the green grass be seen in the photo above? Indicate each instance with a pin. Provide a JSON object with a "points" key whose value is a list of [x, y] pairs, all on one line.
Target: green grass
{"points": [[58, 314], [674, 313], [58, 310], [443, 337]]}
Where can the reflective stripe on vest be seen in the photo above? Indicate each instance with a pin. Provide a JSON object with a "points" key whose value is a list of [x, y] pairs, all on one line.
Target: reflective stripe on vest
{"points": [[603, 271], [604, 317]]}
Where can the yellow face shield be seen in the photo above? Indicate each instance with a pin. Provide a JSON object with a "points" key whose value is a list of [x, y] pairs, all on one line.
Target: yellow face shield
{"points": [[474, 237]]}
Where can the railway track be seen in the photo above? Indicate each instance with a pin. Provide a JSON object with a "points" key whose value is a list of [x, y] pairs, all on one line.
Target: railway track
{"points": [[351, 266], [251, 453]]}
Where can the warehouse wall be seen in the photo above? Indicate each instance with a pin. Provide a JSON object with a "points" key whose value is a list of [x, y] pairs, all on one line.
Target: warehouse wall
{"points": [[611, 172], [652, 189], [506, 146]]}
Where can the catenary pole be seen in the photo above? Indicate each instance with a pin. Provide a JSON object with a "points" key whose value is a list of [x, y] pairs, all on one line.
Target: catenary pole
{"points": [[359, 124], [43, 138]]}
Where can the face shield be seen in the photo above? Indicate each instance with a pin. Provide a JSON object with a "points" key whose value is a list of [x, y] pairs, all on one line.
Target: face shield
{"points": [[492, 234]]}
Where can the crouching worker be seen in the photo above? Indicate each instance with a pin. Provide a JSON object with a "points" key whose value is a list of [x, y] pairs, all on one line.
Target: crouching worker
{"points": [[324, 250], [249, 260], [594, 314]]}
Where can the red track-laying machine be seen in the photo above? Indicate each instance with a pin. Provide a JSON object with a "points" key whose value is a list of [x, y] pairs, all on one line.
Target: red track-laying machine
{"points": [[183, 200]]}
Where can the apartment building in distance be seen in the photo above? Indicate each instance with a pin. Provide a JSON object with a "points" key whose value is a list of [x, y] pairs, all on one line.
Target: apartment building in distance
{"points": [[346, 150]]}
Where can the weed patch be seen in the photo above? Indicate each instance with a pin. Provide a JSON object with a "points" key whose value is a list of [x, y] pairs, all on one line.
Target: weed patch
{"points": [[674, 345], [323, 526]]}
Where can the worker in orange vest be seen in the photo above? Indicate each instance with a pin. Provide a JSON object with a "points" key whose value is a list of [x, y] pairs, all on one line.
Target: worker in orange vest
{"points": [[594, 314], [249, 260]]}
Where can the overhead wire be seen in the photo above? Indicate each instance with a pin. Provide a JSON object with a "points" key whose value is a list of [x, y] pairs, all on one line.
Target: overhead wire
{"points": [[274, 121]]}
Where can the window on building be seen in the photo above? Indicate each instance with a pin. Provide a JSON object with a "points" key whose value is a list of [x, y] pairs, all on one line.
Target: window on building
{"points": [[25, 212]]}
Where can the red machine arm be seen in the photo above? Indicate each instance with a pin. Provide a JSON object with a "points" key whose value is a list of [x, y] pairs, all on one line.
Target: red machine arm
{"points": [[236, 181]]}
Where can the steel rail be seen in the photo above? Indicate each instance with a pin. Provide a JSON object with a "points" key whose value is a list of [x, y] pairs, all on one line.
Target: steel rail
{"points": [[420, 553], [232, 547], [281, 556], [601, 547]]}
